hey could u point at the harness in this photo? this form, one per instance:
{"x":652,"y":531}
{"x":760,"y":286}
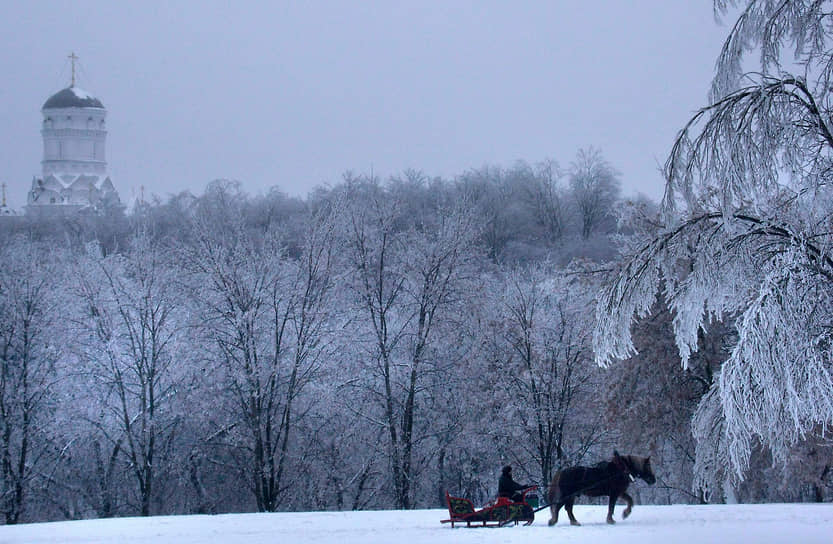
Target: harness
{"x":620,"y":463}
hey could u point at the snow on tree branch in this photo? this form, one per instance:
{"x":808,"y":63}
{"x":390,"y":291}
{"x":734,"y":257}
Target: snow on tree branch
{"x":747,"y":238}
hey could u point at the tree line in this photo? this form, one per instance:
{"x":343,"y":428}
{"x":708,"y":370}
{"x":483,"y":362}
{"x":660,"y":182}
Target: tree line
{"x":371,"y":345}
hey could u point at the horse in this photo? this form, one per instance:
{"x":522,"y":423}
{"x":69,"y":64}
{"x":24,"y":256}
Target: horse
{"x":609,"y":478}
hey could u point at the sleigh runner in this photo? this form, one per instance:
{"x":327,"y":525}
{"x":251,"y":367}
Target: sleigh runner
{"x":497,"y":513}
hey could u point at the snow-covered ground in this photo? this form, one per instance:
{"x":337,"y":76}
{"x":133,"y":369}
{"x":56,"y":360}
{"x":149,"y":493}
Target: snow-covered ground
{"x":754,"y":524}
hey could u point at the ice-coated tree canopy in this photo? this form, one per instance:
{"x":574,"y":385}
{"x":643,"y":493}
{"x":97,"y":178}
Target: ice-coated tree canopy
{"x":746,"y":237}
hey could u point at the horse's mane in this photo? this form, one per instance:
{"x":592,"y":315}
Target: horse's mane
{"x":637,"y":464}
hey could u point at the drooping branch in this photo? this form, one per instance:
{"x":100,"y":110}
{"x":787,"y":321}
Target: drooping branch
{"x":651,"y":268}
{"x":743,"y":134}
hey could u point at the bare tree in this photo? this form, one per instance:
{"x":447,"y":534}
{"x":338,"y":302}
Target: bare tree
{"x":131,"y":334}
{"x":29,"y":316}
{"x":405,"y":284}
{"x":489,"y":194}
{"x":547,"y":199}
{"x":267,"y":316}
{"x":544,"y":367}
{"x":595,"y":188}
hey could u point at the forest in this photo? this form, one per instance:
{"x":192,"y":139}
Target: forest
{"x":378,"y":342}
{"x":369,"y":346}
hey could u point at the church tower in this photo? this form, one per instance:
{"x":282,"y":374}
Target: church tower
{"x":74,"y":168}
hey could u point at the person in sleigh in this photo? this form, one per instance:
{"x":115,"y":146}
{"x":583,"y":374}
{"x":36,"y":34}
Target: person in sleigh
{"x":509,"y":488}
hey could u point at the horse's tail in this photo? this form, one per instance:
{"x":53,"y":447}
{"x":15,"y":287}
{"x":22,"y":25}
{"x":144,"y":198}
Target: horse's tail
{"x":554,"y":493}
{"x":554,"y":498}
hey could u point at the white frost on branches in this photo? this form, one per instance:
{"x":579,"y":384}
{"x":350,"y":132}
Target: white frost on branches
{"x":747,"y":237}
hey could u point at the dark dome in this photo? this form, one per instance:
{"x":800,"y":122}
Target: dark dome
{"x":72,"y":97}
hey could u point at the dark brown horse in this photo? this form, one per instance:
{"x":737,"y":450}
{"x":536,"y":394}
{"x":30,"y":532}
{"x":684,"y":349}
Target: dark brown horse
{"x":610,"y":478}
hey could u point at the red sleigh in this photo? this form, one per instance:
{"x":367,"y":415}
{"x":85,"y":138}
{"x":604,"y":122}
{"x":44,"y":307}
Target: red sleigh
{"x":502,"y":511}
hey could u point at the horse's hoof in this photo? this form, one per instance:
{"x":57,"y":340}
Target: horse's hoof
{"x":611,"y":521}
{"x":552,"y":522}
{"x":625,"y":514}
{"x":574,"y":522}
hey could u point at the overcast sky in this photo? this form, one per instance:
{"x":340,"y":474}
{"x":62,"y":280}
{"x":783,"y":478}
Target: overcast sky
{"x":293,"y":94}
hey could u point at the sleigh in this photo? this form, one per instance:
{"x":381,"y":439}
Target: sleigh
{"x":502,"y":511}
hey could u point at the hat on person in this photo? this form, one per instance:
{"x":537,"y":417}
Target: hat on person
{"x":507,"y":469}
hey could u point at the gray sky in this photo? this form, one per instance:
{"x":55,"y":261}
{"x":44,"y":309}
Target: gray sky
{"x":292,"y":94}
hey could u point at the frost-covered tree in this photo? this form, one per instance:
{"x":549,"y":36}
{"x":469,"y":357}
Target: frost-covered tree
{"x":747,"y":237}
{"x":408,"y":277}
{"x":488,"y":191}
{"x":548,"y":199}
{"x":132,"y":353}
{"x":594,"y":185}
{"x":266,"y":316}
{"x":541,"y":365}
{"x":650,"y":401}
{"x":30,"y":313}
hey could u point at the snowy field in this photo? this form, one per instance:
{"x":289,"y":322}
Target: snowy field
{"x":758,"y":524}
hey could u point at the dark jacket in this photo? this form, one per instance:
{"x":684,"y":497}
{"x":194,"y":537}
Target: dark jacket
{"x":506,"y":486}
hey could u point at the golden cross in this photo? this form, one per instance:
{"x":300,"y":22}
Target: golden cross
{"x":73,"y":57}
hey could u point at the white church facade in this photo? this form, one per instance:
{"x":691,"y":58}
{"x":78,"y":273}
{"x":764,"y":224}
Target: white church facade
{"x":74,"y":166}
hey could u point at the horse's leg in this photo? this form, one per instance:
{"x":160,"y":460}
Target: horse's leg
{"x":554,"y":508}
{"x":610,"y":506}
{"x":629,"y":500}
{"x":568,"y":506}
